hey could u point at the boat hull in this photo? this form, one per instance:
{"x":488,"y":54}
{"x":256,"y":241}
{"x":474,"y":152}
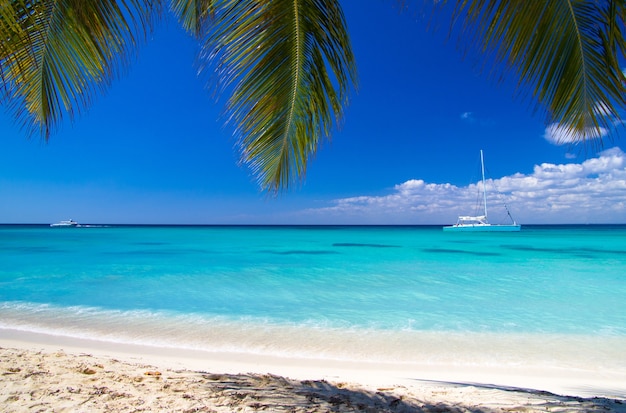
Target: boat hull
{"x":482,"y":228}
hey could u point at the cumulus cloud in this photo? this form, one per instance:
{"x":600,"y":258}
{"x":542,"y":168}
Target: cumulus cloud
{"x":557,"y":134}
{"x":593,"y":191}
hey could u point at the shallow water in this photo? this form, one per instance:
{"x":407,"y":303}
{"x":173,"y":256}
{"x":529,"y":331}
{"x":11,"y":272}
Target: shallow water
{"x":545,"y":295}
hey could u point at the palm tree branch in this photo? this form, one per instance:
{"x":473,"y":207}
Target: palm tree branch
{"x":275,"y":59}
{"x":62,"y":52}
{"x":567,"y":50}
{"x":194,"y":15}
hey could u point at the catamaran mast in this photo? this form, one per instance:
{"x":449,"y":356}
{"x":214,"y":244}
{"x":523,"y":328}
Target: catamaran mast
{"x":482,"y":169}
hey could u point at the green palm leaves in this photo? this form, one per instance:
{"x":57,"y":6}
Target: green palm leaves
{"x":287,"y":65}
{"x":566,"y":50}
{"x":55,"y":55}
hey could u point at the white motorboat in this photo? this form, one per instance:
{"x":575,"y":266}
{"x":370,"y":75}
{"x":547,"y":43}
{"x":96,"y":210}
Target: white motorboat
{"x":65,"y":224}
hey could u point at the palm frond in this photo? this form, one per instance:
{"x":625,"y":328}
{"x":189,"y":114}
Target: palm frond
{"x":194,"y":15}
{"x":566,"y":50}
{"x":288,"y":66}
{"x":56,"y":54}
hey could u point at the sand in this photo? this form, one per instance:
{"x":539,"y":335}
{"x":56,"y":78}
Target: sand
{"x":40,"y":373}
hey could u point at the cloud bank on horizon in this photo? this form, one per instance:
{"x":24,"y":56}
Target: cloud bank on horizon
{"x":593,"y":192}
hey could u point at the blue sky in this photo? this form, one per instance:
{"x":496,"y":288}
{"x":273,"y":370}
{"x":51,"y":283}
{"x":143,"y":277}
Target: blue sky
{"x":154,"y":150}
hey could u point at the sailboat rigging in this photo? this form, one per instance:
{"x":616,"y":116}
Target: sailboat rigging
{"x":480,"y":222}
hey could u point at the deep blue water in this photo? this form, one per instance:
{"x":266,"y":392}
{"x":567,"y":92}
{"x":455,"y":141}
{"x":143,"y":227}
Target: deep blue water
{"x":137,"y":283}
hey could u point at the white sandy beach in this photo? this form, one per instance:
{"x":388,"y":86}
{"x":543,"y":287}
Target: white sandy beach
{"x":51,"y":373}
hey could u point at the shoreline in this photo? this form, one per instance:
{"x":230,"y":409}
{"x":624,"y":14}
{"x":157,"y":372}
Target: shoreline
{"x":431,"y":385}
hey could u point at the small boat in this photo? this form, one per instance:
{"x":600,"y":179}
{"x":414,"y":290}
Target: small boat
{"x":480,"y":223}
{"x":65,"y":224}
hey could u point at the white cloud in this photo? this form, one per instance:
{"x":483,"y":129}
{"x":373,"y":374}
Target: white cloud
{"x":559,"y":135}
{"x":467,"y":116}
{"x":593,"y":191}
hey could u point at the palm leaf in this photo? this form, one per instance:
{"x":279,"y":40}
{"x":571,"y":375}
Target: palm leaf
{"x":287,"y":65}
{"x":194,"y":15}
{"x":55,"y":55}
{"x":566,"y":50}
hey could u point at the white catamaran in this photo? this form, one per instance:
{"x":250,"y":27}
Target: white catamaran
{"x":480,"y":223}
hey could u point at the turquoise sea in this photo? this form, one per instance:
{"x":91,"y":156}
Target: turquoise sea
{"x":548,"y":295}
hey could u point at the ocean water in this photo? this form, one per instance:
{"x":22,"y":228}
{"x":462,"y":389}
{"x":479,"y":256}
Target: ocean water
{"x":547,"y":296}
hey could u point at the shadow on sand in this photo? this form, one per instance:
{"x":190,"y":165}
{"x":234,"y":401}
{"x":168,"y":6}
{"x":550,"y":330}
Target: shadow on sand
{"x":276,"y":393}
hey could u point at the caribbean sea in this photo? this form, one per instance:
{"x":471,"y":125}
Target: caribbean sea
{"x":548,"y":295}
